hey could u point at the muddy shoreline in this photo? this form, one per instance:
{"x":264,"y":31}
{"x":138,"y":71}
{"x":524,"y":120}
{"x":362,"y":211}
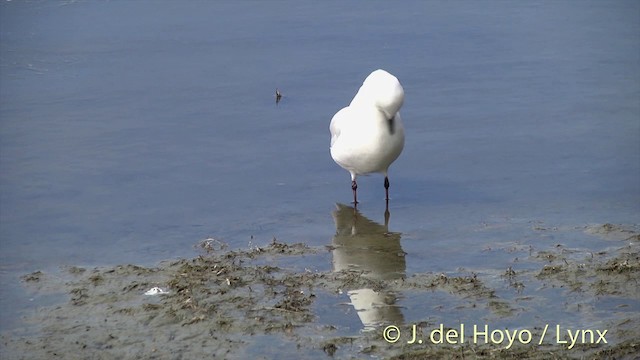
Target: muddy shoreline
{"x":236,"y":304}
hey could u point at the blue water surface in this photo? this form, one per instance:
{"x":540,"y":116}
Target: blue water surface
{"x":131,"y":130}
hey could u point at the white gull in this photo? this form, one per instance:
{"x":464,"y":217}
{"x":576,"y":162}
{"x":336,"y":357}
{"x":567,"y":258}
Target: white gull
{"x":367,"y":136}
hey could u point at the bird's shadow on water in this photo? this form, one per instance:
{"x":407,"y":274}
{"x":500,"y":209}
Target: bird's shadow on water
{"x":372,"y":253}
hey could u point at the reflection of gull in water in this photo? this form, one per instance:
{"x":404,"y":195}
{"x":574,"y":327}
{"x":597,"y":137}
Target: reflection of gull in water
{"x":368,"y":247}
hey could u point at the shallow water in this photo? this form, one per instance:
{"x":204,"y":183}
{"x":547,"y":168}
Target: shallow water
{"x":132,"y":130}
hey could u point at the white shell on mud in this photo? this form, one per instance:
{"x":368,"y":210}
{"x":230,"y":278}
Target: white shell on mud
{"x":156,"y":291}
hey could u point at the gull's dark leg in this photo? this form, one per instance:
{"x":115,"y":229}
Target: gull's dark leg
{"x":386,"y":187}
{"x":354,"y":187}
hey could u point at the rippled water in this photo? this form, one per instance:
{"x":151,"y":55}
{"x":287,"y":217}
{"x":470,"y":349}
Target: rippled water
{"x":132,"y":130}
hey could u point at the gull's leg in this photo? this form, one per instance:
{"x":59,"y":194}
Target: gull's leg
{"x":386,"y":188}
{"x":354,"y":187}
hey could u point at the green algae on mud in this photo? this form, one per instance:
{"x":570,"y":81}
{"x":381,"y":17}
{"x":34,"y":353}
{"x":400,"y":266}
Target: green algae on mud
{"x":230,"y":303}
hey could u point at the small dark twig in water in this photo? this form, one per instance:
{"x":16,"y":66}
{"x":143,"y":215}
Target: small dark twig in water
{"x":278,"y":96}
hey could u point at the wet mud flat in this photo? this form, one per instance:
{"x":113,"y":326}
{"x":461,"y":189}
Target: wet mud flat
{"x":237,"y":304}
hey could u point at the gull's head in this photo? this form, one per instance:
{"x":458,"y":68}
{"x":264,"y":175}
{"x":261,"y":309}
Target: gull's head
{"x":382,"y":90}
